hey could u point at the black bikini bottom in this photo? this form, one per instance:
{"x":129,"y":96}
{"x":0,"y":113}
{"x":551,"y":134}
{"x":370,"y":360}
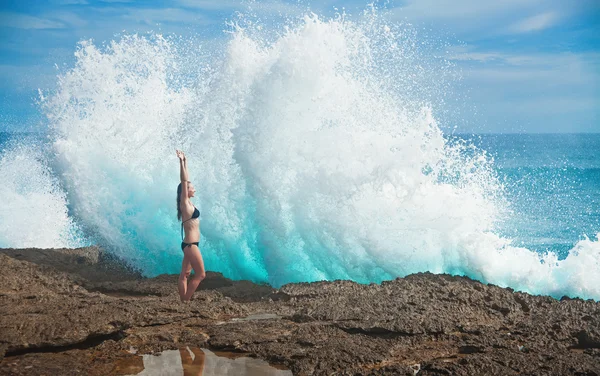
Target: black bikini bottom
{"x":183,"y":245}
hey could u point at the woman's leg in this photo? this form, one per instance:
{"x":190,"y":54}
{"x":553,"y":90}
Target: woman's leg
{"x":192,"y":253}
{"x":186,"y":268}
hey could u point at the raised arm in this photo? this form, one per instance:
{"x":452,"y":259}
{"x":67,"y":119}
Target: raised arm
{"x":183,"y":175}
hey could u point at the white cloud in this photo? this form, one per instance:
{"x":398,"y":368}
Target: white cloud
{"x":510,"y":89}
{"x":482,"y":57}
{"x":69,"y":18}
{"x":530,"y":70}
{"x":24,"y":21}
{"x":73,"y":2}
{"x":277,"y":7}
{"x":477,"y":20}
{"x":271,"y":7}
{"x":153,"y":16}
{"x":535,"y":23}
{"x":210,"y":4}
{"x":460,"y":9}
{"x":558,"y":104}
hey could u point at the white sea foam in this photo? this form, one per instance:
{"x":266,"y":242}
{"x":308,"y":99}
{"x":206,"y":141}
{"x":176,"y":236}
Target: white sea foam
{"x":34,"y":210}
{"x":315,"y":154}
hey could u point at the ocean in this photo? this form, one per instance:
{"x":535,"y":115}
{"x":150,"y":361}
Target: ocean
{"x":552,"y":186}
{"x":316,"y":155}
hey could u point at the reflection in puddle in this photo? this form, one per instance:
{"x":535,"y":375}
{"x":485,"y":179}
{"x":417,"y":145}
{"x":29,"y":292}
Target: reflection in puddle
{"x":197,"y":362}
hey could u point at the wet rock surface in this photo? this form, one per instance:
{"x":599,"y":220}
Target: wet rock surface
{"x":81,"y":312}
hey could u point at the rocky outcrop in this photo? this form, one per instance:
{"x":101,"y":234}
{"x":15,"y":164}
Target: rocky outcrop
{"x":81,"y":312}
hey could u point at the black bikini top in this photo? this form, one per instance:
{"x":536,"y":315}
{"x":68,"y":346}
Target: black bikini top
{"x":195,"y":215}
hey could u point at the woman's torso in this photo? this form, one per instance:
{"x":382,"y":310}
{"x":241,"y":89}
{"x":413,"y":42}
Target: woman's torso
{"x":191,"y":224}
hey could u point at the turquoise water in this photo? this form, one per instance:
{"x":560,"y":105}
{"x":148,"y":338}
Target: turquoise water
{"x":316,"y":155}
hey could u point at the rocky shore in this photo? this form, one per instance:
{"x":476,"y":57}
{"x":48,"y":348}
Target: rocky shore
{"x":79,"y":312}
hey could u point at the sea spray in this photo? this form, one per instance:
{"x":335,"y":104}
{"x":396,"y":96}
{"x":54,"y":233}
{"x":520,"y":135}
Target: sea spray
{"x":316,"y":155}
{"x":34,"y":209}
{"x":112,"y":119}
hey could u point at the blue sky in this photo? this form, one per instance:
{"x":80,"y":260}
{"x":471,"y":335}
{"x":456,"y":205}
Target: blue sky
{"x":527,"y":65}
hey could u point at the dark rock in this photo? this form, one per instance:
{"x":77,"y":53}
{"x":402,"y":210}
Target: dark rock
{"x":81,"y":311}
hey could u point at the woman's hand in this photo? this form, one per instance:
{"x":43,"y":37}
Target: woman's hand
{"x":183,"y":174}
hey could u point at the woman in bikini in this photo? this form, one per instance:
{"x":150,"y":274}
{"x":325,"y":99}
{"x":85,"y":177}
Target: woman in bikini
{"x":192,"y":258}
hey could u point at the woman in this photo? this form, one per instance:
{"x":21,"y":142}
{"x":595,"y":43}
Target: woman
{"x":192,"y":259}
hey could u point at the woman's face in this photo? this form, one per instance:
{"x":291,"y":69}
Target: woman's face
{"x":191,"y":190}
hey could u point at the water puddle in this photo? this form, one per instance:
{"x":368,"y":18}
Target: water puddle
{"x":197,"y":362}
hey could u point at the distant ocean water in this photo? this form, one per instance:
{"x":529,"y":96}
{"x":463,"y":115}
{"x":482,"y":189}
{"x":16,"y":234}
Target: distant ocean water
{"x":552,"y":187}
{"x":314,"y":157}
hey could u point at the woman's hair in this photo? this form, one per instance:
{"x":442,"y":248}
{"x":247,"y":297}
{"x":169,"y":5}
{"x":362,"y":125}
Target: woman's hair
{"x":179,"y":202}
